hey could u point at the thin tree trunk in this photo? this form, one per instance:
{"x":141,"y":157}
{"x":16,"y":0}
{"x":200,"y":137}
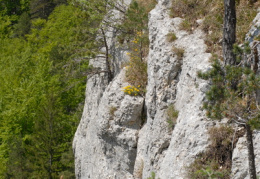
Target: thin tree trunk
{"x":229,"y":32}
{"x":109,"y":72}
{"x":252,"y":1}
{"x":250,"y":148}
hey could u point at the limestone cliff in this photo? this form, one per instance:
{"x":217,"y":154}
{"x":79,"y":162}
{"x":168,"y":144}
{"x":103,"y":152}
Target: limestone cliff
{"x":113,"y":142}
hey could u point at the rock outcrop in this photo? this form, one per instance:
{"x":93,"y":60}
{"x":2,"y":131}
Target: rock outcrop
{"x":172,"y":80}
{"x":114,"y":140}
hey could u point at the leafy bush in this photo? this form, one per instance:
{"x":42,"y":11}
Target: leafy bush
{"x":136,"y":34}
{"x":136,"y":73}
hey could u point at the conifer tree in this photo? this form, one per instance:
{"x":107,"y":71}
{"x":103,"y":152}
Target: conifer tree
{"x":234,"y":86}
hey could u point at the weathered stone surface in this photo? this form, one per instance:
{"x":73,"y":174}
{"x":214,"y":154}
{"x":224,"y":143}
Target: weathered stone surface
{"x":240,"y":160}
{"x":105,"y":142}
{"x":254,"y":30}
{"x":172,"y":80}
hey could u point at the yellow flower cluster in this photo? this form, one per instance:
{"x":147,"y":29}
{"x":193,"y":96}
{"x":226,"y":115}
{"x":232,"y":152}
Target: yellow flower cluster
{"x":139,"y":33}
{"x":131,"y":90}
{"x":135,"y":41}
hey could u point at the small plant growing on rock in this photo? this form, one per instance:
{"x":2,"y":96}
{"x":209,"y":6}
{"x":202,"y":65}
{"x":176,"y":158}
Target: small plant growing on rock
{"x":152,"y":176}
{"x":131,"y":90}
{"x":136,"y":70}
{"x":135,"y":33}
{"x":112,"y":111}
{"x":171,"y":37}
{"x":179,"y":52}
{"x":172,"y":115}
{"x":186,"y":25}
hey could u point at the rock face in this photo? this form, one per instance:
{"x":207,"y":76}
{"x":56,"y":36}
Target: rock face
{"x":114,"y":140}
{"x":173,"y":81}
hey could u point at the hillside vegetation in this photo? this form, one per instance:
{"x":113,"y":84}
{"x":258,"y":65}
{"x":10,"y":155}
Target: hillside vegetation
{"x":42,"y":81}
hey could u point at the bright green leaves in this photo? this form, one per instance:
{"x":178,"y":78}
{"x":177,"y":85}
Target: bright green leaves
{"x":42,"y":77}
{"x":20,"y":94}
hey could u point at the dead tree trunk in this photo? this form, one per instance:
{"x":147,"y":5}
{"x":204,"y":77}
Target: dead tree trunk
{"x":250,"y":148}
{"x":229,"y":32}
{"x":109,"y":72}
{"x":252,"y":1}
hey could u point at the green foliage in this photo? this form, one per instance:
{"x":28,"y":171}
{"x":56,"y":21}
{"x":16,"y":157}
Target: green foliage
{"x":133,"y":23}
{"x":10,"y":7}
{"x":172,"y":115}
{"x":136,"y":71}
{"x":232,"y":93}
{"x":216,"y":161}
{"x":43,"y":8}
{"x":23,"y":26}
{"x":42,"y":78}
{"x":135,"y":32}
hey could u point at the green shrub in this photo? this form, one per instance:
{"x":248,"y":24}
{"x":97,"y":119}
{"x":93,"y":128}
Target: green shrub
{"x":136,"y":70}
{"x":135,"y":30}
